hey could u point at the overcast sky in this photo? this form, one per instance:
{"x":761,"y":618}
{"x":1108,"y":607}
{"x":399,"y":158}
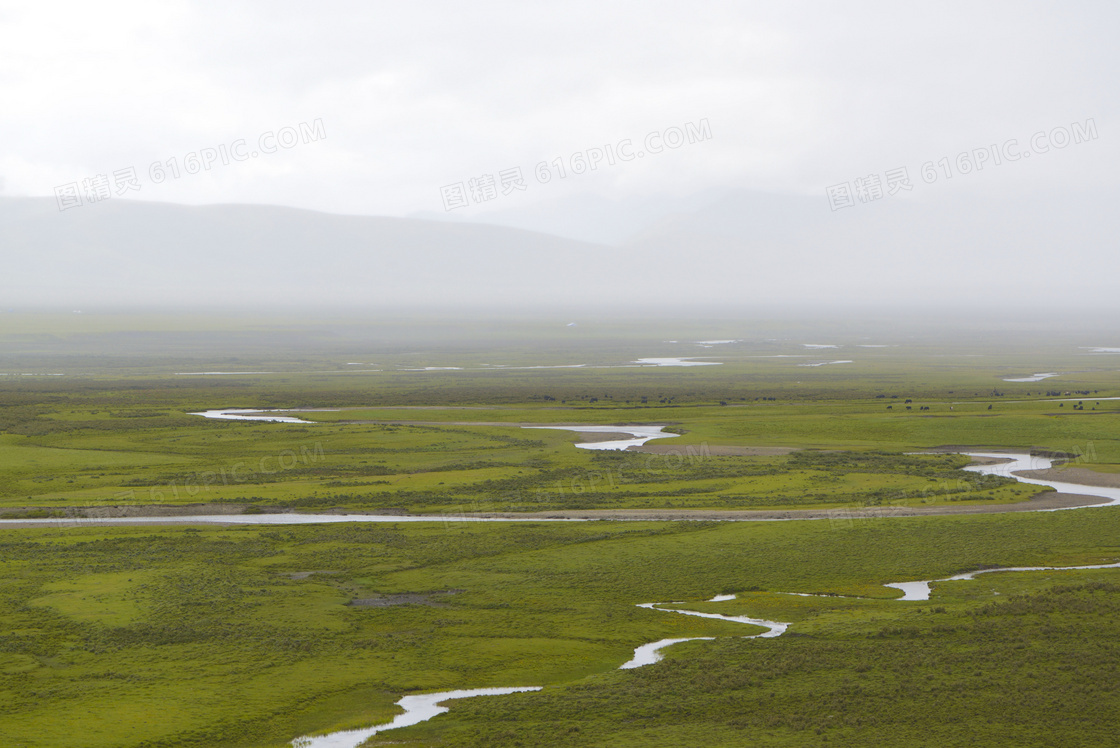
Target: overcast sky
{"x":416,"y":96}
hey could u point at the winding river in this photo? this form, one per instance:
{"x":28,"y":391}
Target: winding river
{"x":641,"y":434}
{"x":421,"y":707}
{"x":417,"y":708}
{"x":648,"y":654}
{"x":1012,"y":463}
{"x":1016,"y":463}
{"x":921,"y":590}
{"x":249,"y":414}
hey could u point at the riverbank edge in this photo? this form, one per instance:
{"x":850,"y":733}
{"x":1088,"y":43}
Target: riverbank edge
{"x":1046,"y":499}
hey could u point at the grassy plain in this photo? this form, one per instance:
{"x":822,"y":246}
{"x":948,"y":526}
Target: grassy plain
{"x":90,"y":442}
{"x":212,"y":636}
{"x":202,"y":637}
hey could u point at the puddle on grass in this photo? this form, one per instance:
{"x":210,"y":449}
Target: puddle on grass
{"x":686,"y":361}
{"x":1034,"y":378}
{"x":826,"y":363}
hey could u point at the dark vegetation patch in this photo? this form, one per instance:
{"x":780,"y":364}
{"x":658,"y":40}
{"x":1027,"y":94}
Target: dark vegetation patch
{"x":403,"y":598}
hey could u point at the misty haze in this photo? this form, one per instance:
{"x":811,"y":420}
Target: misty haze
{"x":579,"y":374}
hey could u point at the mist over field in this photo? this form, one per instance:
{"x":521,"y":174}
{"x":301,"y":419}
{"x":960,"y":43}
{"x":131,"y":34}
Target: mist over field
{"x":371,"y":155}
{"x":743,"y":249}
{"x":595,"y":373}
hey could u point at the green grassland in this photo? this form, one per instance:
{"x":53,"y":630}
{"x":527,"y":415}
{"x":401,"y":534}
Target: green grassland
{"x":204,"y":637}
{"x":76,"y":445}
{"x":425,"y":468}
{"x":160,"y":636}
{"x":1034,"y":667}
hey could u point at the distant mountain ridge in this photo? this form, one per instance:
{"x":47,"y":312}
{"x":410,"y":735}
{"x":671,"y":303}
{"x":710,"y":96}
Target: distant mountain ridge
{"x":153,"y":252}
{"x":733,"y":248}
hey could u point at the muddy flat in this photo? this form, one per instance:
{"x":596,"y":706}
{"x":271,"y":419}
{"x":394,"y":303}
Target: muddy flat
{"x":108,"y":511}
{"x":1041,"y":502}
{"x":978,"y":460}
{"x":1084,"y":476}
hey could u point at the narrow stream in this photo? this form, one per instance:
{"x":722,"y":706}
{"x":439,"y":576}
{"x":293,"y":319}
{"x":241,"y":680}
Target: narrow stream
{"x":425,"y":706}
{"x":647,"y":654}
{"x":921,"y":590}
{"x":1017,"y":463}
{"x":421,"y":707}
{"x":417,"y":708}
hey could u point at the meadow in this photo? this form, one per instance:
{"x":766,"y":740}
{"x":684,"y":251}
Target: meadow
{"x":249,"y":636}
{"x":221,"y":636}
{"x":90,"y":443}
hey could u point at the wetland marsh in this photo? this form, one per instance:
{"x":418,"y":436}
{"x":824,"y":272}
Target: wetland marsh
{"x":250,"y":634}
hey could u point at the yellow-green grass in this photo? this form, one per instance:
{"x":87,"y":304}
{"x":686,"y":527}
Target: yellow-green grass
{"x":175,"y":636}
{"x":208,"y":629}
{"x":441,"y":468}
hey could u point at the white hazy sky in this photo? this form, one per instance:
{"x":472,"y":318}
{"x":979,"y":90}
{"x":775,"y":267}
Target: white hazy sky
{"x":414,"y":96}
